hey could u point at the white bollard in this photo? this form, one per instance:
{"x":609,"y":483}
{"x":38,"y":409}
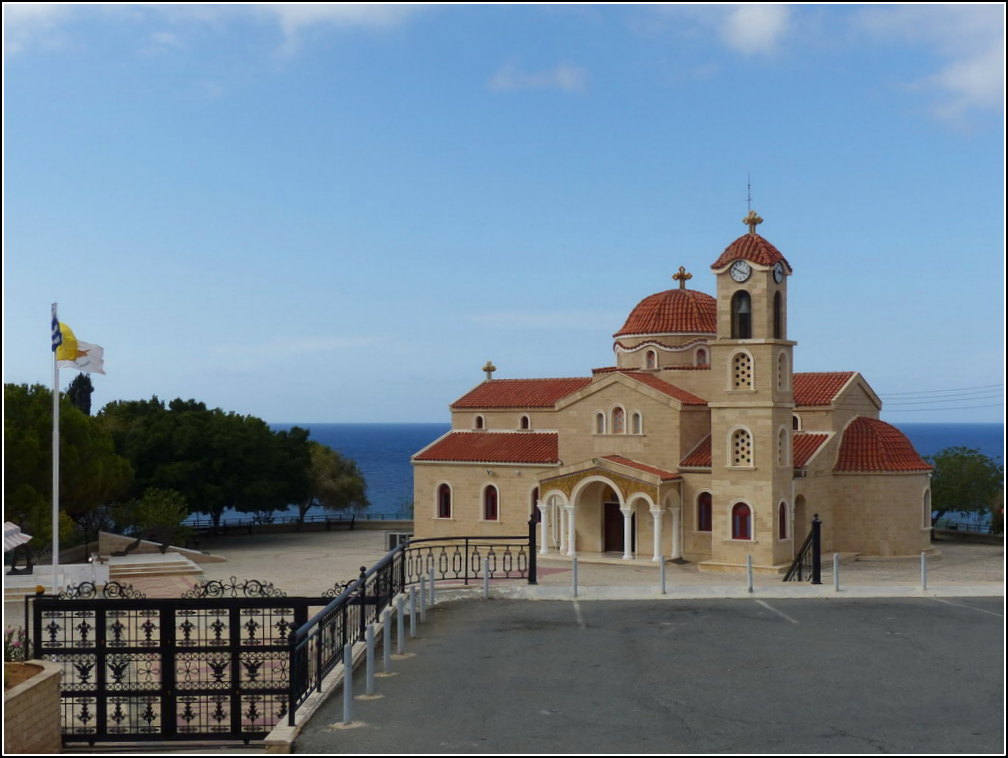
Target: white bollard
{"x":923,"y":572}
{"x":574,"y":574}
{"x":369,"y":641}
{"x":486,"y":578}
{"x":400,"y":626}
{"x":661,"y":573}
{"x":423,"y":598}
{"x":387,"y":639}
{"x":347,"y":684}
{"x":748,"y":571}
{"x":412,"y":611}
{"x":836,"y":572}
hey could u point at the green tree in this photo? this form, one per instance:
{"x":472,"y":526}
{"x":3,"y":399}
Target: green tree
{"x":966,"y":480}
{"x":91,"y":474}
{"x":157,"y":515}
{"x":336,"y":483}
{"x":79,"y":392}
{"x":215,"y":460}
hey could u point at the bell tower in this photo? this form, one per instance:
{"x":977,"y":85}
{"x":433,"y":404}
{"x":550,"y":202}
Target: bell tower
{"x":752,"y":405}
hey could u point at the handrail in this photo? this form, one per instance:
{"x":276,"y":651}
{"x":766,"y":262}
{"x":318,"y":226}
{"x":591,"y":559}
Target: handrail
{"x":316,"y":647}
{"x":809,"y":558}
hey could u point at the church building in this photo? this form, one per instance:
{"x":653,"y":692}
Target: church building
{"x":701,"y":443}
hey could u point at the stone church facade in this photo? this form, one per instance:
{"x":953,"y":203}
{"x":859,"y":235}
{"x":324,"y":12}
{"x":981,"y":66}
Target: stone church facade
{"x":701,"y":443}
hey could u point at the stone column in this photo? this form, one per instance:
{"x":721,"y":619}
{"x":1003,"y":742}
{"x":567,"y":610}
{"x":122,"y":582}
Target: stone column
{"x":543,"y":526}
{"x":627,"y":533}
{"x":571,"y":532}
{"x":656,"y":514}
{"x":676,"y":533}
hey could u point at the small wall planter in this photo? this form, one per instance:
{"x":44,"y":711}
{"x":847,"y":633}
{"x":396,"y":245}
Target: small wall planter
{"x":32,"y":707}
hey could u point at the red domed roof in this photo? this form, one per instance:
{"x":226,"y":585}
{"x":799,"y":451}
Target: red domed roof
{"x":752,"y":248}
{"x":671,"y":312}
{"x":871,"y":445}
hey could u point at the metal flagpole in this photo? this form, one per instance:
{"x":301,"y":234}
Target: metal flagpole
{"x":57,"y":340}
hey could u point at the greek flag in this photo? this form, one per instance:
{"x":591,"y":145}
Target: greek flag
{"x":57,"y":335}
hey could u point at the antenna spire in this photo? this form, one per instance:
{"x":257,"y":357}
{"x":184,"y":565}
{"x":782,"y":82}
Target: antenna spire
{"x":748,"y":192}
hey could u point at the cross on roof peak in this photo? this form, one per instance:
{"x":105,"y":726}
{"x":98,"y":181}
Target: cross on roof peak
{"x":752,"y":221}
{"x":681,"y":277}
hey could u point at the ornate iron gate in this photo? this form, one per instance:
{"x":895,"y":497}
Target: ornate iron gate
{"x":170,"y":669}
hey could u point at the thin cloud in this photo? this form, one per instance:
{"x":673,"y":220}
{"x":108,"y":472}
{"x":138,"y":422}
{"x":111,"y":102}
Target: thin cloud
{"x":586,"y":320}
{"x":296,"y":18}
{"x":564,"y":76}
{"x":967,"y":39}
{"x":28,"y":25}
{"x":755,"y":29}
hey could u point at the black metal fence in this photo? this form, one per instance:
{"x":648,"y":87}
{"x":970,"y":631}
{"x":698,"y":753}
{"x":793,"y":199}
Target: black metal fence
{"x":807,"y":565}
{"x":219,"y":664}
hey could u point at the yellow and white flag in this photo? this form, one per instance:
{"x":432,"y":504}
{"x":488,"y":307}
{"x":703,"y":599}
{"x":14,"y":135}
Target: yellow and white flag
{"x":83,"y":356}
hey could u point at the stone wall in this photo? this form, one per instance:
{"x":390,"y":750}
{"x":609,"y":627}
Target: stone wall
{"x":32,"y":712}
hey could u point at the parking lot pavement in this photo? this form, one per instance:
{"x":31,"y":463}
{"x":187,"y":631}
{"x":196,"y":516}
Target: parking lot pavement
{"x":906,"y":675}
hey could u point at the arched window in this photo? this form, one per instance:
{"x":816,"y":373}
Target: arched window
{"x":525,"y":423}
{"x":741,"y":522}
{"x":782,"y":521}
{"x":618,"y":425}
{"x":444,"y":504}
{"x":478,"y":423}
{"x":778,"y":316}
{"x":701,"y":357}
{"x":796,"y":422}
{"x":742,"y":371}
{"x":741,"y":312}
{"x":741,"y":448}
{"x":599,"y":423}
{"x":782,"y":448}
{"x":650,"y":359}
{"x":782,"y":372}
{"x":636,"y":423}
{"x":704,"y":519}
{"x":490,"y":512}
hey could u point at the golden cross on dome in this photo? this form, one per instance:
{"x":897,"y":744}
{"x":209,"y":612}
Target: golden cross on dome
{"x":752,"y":220}
{"x":489,"y":368}
{"x":681,"y":277}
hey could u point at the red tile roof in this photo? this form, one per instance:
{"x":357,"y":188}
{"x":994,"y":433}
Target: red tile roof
{"x":684,"y":397}
{"x":659,"y":472}
{"x":520,"y":393}
{"x":806,"y":444}
{"x":700,"y":456}
{"x":493,"y":447}
{"x":671,"y":312}
{"x":870,"y":445}
{"x":819,"y":387}
{"x":751,"y":247}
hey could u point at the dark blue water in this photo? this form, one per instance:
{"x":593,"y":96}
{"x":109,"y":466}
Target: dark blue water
{"x":383,"y":451}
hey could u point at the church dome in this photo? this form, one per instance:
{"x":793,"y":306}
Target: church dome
{"x":753,"y":248}
{"x":674,"y":311}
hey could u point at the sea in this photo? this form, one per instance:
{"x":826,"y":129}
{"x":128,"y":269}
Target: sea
{"x":383,"y":451}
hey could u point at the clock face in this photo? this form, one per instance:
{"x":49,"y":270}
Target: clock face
{"x":740,"y":271}
{"x":778,"y":273}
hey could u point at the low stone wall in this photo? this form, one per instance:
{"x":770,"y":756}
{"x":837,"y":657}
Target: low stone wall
{"x":32,"y":712}
{"x":109,"y":543}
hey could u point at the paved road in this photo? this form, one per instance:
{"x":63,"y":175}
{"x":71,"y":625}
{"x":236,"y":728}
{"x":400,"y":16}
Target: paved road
{"x":908,"y":675}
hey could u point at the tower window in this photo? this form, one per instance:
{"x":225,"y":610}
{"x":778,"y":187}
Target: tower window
{"x":701,"y":357}
{"x":782,"y":372}
{"x":636,"y":423}
{"x":599,"y":423}
{"x":618,"y":426}
{"x":741,"y":448}
{"x":741,"y":522}
{"x":778,"y":316}
{"x":525,"y":423}
{"x":479,"y":423}
{"x":782,"y":448}
{"x":742,"y":371}
{"x":782,"y":521}
{"x":650,"y":359}
{"x":741,"y":312}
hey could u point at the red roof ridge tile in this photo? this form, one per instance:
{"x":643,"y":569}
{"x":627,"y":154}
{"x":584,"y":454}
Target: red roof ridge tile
{"x":520,"y":393}
{"x":467,"y":446}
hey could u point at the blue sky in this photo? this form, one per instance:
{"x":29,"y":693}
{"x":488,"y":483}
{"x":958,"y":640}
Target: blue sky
{"x":326,"y":213}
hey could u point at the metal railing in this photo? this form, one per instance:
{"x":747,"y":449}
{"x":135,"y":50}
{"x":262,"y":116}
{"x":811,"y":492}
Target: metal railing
{"x":317,"y":647}
{"x":807,"y":565}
